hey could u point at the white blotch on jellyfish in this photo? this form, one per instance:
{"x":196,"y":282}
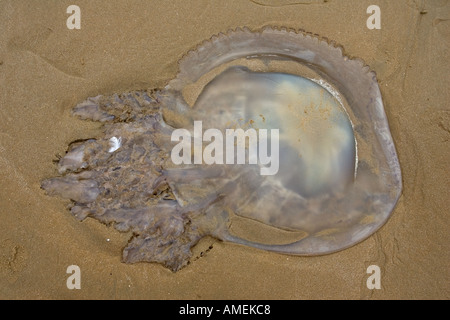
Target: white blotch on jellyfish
{"x":114,"y":143}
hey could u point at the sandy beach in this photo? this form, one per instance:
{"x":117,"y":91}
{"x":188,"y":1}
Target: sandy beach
{"x":46,"y":69}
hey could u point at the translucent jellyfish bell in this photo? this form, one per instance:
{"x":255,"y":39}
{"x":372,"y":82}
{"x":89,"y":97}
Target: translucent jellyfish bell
{"x":317,"y":147}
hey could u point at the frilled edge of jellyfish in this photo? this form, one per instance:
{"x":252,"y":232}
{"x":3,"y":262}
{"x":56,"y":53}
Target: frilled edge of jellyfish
{"x":119,"y":180}
{"x":196,"y":62}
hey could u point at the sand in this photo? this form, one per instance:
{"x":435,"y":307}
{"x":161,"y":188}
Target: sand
{"x":45,"y":69}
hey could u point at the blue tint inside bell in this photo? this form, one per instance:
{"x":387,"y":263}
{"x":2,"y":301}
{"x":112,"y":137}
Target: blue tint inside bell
{"x":317,"y":149}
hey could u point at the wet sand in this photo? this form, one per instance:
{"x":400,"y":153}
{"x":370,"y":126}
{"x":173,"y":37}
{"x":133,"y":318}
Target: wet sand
{"x":45,"y":69}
